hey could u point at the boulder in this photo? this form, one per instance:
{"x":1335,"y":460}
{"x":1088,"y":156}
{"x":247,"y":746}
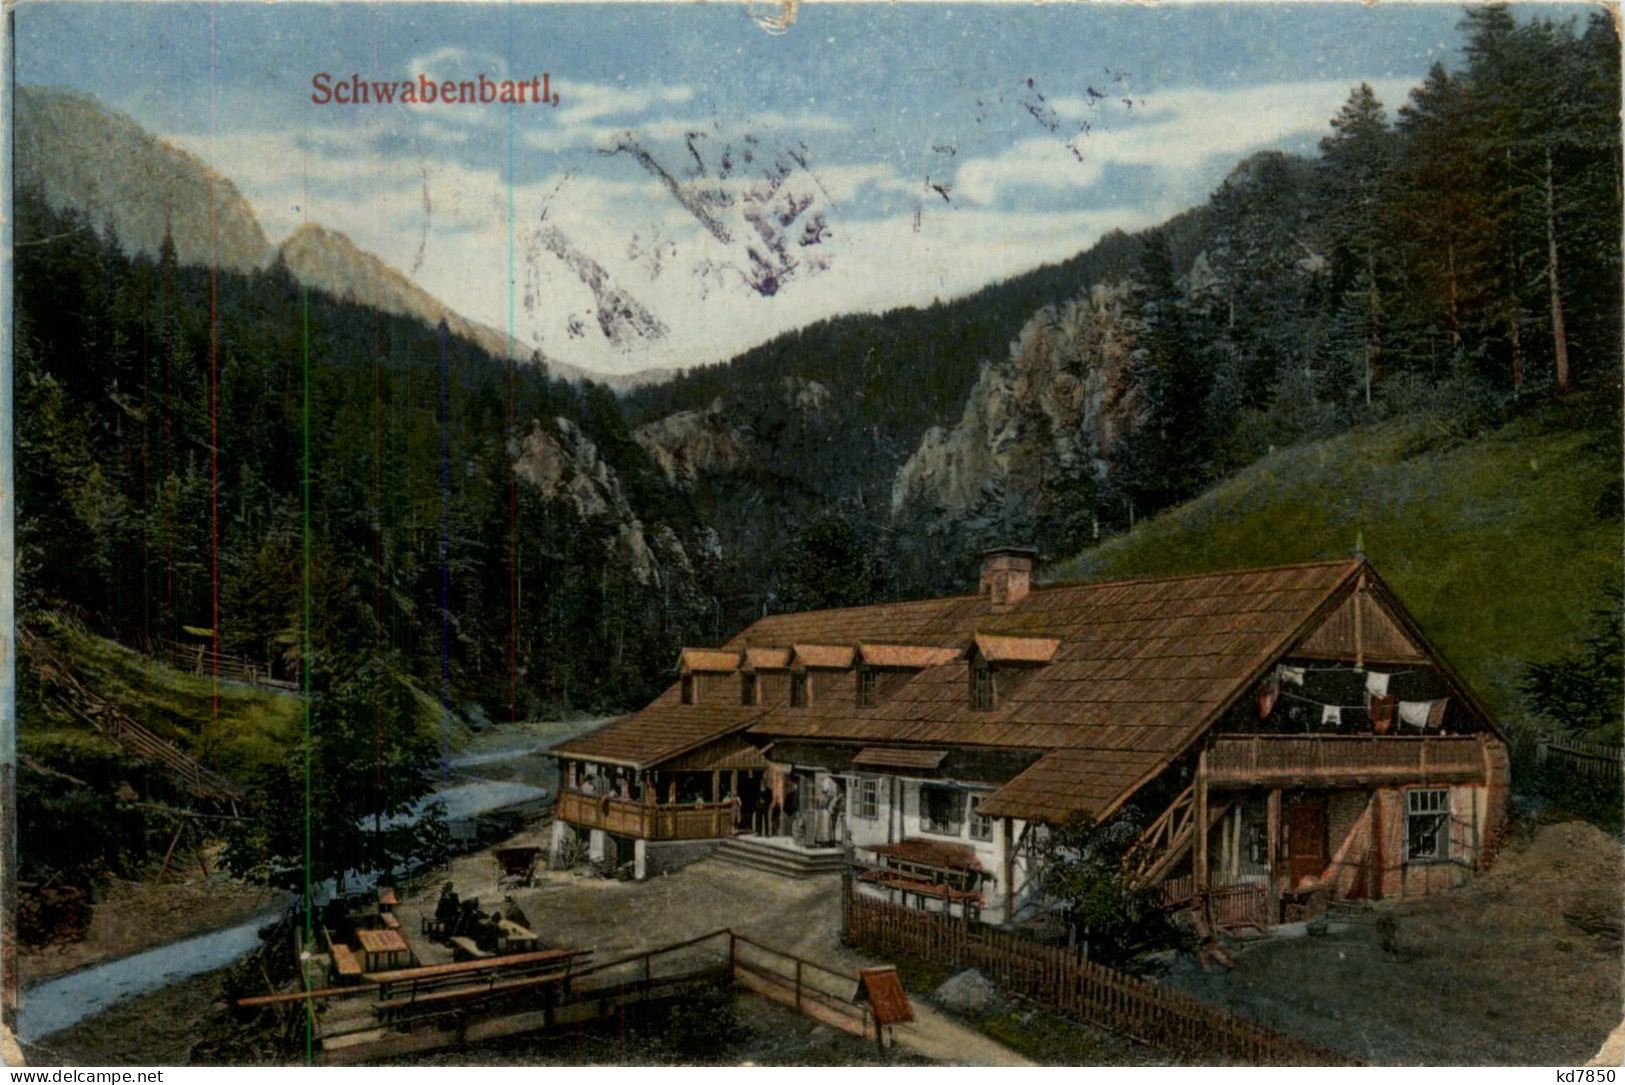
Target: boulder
{"x":968,"y":992}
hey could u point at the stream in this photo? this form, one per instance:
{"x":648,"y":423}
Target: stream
{"x":511,"y":770}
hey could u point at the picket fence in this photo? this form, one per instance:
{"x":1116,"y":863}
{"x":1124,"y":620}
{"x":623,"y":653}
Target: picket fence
{"x":1056,"y":978}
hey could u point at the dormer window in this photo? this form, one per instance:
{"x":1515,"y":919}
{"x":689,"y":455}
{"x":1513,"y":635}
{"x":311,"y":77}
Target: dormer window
{"x":866,"y":688}
{"x":799,"y":691}
{"x":688,"y":689}
{"x":747,"y":688}
{"x":981,"y":686}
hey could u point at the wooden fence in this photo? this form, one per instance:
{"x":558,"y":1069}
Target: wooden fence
{"x":201,"y":660}
{"x":1056,"y":978}
{"x":1588,"y":759}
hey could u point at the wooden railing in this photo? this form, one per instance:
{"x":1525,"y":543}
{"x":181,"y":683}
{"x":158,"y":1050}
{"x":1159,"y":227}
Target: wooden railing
{"x":1230,"y":905}
{"x":1161,"y":845}
{"x":1061,"y":981}
{"x":202,"y":660}
{"x":1241,"y":760}
{"x":626,"y":817}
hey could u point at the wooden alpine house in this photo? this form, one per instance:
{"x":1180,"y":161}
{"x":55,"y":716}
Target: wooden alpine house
{"x":1280,"y":739}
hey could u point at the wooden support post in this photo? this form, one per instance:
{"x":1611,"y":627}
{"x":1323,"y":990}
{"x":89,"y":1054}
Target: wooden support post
{"x":1273,"y":853}
{"x":716,"y":785}
{"x":1009,"y":869}
{"x":1359,"y":627}
{"x":179,"y":828}
{"x":1376,"y":843}
{"x":1199,"y":852}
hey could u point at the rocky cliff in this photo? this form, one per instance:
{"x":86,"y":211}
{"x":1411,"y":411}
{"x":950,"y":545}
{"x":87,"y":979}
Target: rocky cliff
{"x":562,"y":462}
{"x":1055,"y":401}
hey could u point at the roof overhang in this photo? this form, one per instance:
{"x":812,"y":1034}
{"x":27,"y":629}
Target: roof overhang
{"x":899,"y":757}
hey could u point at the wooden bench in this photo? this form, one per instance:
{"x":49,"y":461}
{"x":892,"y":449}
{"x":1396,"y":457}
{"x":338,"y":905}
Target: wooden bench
{"x":345,"y":963}
{"x":389,"y":921}
{"x":464,"y":949}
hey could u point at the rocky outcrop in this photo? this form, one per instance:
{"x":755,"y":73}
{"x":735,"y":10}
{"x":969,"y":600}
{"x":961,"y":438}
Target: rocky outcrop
{"x":564,"y":464}
{"x":714,"y":441}
{"x":1056,"y":401}
{"x":79,"y":154}
{"x":690,"y":443}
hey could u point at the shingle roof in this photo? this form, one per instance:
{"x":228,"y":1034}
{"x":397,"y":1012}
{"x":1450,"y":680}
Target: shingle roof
{"x":894,"y":757}
{"x":708,"y":659}
{"x":1001,"y":649}
{"x":833,"y":656}
{"x":767,"y":659}
{"x":908,"y":656}
{"x":663,"y":730}
{"x":1141,"y":669}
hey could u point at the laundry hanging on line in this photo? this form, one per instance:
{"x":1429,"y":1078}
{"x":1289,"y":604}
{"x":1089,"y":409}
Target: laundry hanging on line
{"x":1423,"y":715}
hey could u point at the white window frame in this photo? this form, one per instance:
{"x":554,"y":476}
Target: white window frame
{"x":865,"y":804}
{"x":1428,"y":804}
{"x":981,"y":826}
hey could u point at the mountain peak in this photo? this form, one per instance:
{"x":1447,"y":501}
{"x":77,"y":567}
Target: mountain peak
{"x":65,"y":143}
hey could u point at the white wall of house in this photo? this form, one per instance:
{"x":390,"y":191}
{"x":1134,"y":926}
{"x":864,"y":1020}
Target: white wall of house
{"x":901,"y":809}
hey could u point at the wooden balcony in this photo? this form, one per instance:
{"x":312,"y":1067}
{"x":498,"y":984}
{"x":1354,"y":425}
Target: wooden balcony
{"x":1345,"y":760}
{"x":623,"y":817}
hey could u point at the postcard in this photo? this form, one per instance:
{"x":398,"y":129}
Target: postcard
{"x":825,"y":534}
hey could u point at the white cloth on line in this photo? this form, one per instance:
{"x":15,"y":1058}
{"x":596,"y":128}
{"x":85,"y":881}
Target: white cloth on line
{"x":1331,"y":714}
{"x":1292,"y":675}
{"x":1416,"y":714}
{"x":1376,"y":683}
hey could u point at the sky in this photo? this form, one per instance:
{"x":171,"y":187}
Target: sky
{"x":707,"y":180}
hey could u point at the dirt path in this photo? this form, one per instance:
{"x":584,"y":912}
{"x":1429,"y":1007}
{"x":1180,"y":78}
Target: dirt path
{"x":618,"y":918}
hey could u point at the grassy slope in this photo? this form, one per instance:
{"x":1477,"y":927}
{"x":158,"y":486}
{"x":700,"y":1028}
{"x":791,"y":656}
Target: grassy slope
{"x":1499,"y":544}
{"x":252,"y":725}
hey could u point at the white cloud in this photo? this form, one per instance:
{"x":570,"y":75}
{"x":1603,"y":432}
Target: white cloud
{"x":582,"y":102}
{"x":1175,"y":133}
{"x":449,"y":225}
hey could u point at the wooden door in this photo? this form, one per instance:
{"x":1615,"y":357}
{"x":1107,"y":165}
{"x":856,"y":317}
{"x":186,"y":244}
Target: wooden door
{"x":1306,"y":841}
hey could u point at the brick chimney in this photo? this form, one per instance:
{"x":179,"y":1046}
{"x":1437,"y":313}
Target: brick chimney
{"x":1007,"y":575}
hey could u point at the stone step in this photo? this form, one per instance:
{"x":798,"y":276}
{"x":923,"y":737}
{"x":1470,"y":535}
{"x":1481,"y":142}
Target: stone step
{"x":755,"y":855}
